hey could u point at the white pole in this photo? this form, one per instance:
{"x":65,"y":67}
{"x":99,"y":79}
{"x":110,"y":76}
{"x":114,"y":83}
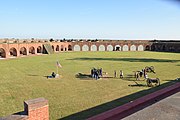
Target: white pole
{"x":57,"y":70}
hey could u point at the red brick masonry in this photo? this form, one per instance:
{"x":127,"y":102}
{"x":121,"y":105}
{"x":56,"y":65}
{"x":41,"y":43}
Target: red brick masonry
{"x":119,"y":112}
{"x":36,"y":109}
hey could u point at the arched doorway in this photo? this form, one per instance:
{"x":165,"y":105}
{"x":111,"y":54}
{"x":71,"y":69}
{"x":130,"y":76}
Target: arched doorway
{"x":125,"y":48}
{"x":117,"y":48}
{"x":23,"y":51}
{"x":93,"y":48}
{"x":140,"y":48}
{"x":52,"y":47}
{"x":77,"y":48}
{"x":69,"y":48}
{"x":109,"y":48}
{"x":57,"y":48}
{"x":32,"y":50}
{"x":101,"y":48}
{"x":133,"y":48}
{"x":62,"y":48}
{"x":39,"y":49}
{"x":13,"y":52}
{"x":85,"y":48}
{"x":2,"y":53}
{"x":147,"y":48}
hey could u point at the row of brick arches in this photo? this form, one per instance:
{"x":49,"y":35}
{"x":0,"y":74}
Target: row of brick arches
{"x":61,"y":48}
{"x":15,"y":52}
{"x":110,"y":48}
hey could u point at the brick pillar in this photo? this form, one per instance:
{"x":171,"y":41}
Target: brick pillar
{"x":37,"y":109}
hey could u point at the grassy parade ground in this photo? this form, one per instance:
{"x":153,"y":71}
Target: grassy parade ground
{"x":78,"y":97}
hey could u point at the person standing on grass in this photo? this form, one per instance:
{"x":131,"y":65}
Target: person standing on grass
{"x":121,"y":74}
{"x":92,"y":72}
{"x":96,"y":75}
{"x":144,"y":73}
{"x":114,"y":73}
{"x":137,"y":76}
{"x":100,"y":72}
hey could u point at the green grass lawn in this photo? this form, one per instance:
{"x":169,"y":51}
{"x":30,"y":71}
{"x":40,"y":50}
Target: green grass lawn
{"x":23,"y":79}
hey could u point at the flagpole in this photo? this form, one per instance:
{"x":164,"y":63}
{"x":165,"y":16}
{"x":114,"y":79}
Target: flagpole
{"x":57,"y":69}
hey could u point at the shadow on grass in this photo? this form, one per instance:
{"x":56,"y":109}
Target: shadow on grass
{"x":32,"y":75}
{"x":115,"y":103}
{"x":128,"y":59}
{"x":83,"y":76}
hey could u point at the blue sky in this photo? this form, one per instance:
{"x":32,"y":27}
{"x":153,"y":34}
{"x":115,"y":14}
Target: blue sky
{"x":101,"y":19}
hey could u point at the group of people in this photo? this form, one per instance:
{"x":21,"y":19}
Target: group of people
{"x":96,"y":73}
{"x":140,"y":74}
{"x":121,"y":75}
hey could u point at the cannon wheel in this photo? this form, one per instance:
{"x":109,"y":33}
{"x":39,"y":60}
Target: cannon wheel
{"x":149,"y":83}
{"x":158,"y":82}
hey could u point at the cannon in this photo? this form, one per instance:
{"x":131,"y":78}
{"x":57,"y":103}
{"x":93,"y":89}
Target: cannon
{"x":150,"y":69}
{"x":153,"y":82}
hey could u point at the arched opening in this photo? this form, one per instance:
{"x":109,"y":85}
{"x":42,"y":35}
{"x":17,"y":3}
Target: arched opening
{"x":52,"y":47}
{"x":39,"y":49}
{"x":23,"y":51}
{"x":117,"y":48}
{"x":2,"y":53}
{"x":62,"y":48}
{"x":147,"y":48}
{"x":69,"y":48}
{"x":133,"y":48}
{"x":65,"y":49}
{"x":13,"y":52}
{"x":101,"y":48}
{"x":85,"y":48}
{"x":125,"y":48}
{"x":93,"y":48}
{"x":32,"y":50}
{"x":140,"y":48}
{"x":57,"y":48}
{"x":77,"y":48}
{"x":109,"y":48}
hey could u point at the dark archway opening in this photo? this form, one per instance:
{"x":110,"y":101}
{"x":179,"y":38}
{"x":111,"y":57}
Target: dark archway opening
{"x":32,"y":50}
{"x":23,"y":51}
{"x":62,"y":48}
{"x":2,"y":53}
{"x":117,"y":49}
{"x":147,"y":48}
{"x":39,"y":49}
{"x":52,"y":47}
{"x":13,"y":52}
{"x":69,"y":48}
{"x":57,"y":48}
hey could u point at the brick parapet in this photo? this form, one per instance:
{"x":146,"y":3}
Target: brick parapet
{"x":36,"y":109}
